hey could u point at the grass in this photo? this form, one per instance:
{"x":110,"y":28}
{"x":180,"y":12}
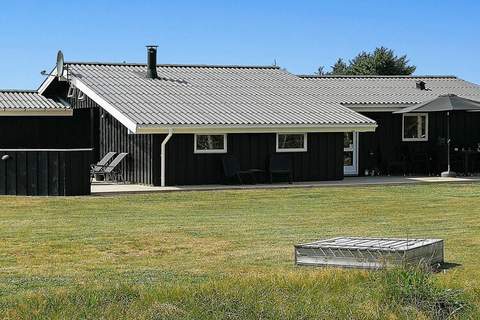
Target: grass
{"x":228,"y":254}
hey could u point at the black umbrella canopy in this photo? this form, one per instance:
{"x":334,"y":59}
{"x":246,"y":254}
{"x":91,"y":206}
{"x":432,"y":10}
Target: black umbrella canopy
{"x":448,"y":102}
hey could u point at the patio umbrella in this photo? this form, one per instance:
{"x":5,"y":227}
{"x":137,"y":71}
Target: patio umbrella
{"x":448,"y":102}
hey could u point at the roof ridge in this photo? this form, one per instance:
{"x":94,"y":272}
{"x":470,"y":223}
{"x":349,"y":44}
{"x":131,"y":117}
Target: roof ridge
{"x":313,"y":76}
{"x":174,"y":65}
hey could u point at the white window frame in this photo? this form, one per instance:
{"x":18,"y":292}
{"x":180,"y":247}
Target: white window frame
{"x":71,"y":91}
{"x":418,"y":115}
{"x":305,"y":143}
{"x":224,"y":150}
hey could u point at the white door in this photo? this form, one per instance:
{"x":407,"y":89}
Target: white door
{"x":350,"y":153}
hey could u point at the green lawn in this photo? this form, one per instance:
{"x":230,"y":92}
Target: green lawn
{"x":223,"y":254}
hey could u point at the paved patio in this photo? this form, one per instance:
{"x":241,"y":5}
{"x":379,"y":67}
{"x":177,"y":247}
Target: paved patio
{"x":105,"y":188}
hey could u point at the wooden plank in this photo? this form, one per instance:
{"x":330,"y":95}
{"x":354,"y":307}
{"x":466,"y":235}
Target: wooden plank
{"x":42,"y":173}
{"x":3,"y":175}
{"x":61,"y":172}
{"x":32,"y":169}
{"x":53,"y":173}
{"x":68,"y":183}
{"x":11,"y":174}
{"x":22,"y":179}
{"x":75,"y":168}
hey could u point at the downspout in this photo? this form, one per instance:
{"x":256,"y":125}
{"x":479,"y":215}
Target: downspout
{"x":162,"y":155}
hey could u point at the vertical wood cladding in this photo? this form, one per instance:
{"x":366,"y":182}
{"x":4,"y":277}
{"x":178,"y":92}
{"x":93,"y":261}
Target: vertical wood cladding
{"x":42,"y":173}
{"x":113,"y":136}
{"x":386,"y":142}
{"x":322,"y":161}
{"x":46,"y":132}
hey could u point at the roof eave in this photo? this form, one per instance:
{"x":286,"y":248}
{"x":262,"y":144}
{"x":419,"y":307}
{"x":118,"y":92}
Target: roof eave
{"x":377,"y":107}
{"x":163,"y":129}
{"x":26,"y":112}
{"x":315,"y":76}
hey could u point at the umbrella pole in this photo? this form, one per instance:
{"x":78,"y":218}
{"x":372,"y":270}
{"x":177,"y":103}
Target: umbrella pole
{"x":448,"y":173}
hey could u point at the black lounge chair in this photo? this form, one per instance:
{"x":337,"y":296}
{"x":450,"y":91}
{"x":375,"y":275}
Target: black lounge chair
{"x":232,"y":171}
{"x":280,"y":165}
{"x":420,"y":163}
{"x":399,"y":161}
{"x":100,"y":165}
{"x":113,"y":169}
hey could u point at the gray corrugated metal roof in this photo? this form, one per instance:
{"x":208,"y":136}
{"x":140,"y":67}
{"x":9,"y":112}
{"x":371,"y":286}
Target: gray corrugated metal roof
{"x":389,"y":89}
{"x":26,"y":99}
{"x":212,"y":95}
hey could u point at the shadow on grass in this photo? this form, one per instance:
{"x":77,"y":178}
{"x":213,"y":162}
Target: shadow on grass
{"x":444,"y":266}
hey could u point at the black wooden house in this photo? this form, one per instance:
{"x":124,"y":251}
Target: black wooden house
{"x":177,"y":122}
{"x":194,"y":115}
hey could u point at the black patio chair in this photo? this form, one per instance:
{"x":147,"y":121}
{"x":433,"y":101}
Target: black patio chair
{"x":475,"y":163}
{"x":457,"y":161}
{"x":420,"y":163}
{"x":399,"y":163}
{"x":100,"y":165}
{"x":113,"y":169}
{"x":280,"y":165}
{"x":231,"y":169}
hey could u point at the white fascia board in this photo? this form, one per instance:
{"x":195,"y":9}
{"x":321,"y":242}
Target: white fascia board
{"x":257,"y":129}
{"x":73,"y":150}
{"x":390,"y":107}
{"x":129,"y":124}
{"x":46,"y":83}
{"x":36,"y":112}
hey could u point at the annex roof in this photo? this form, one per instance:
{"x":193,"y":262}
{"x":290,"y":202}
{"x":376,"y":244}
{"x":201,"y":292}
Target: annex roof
{"x":27,"y":102}
{"x":388,"y":90}
{"x":209,"y":96}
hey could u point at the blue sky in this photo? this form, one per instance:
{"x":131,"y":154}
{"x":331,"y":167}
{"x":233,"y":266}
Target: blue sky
{"x":440,"y":37}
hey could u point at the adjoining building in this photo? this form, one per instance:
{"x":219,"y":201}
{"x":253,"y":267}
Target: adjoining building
{"x":45,"y":145}
{"x":405,"y":143}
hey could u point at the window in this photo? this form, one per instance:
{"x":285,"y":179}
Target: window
{"x":71,"y":91}
{"x":415,"y":127}
{"x":210,"y":143}
{"x":291,"y":142}
{"x":348,"y":149}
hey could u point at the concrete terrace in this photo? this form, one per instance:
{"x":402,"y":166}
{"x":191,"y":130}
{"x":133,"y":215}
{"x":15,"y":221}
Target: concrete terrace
{"x":106,"y":188}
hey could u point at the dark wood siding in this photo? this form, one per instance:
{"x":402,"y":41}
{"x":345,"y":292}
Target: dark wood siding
{"x":85,"y":107}
{"x":108,"y":134}
{"x":377,"y":149}
{"x":113,"y":136}
{"x":322,"y":161}
{"x":42,"y":172}
{"x":46,"y":132}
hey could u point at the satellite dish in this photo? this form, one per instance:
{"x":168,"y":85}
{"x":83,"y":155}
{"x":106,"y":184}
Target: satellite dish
{"x":60,"y":63}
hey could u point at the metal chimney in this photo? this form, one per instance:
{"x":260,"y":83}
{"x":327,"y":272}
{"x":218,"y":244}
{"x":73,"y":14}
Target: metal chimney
{"x":152,"y":61}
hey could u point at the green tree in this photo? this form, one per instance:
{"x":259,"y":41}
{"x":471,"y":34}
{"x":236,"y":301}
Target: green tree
{"x":382,"y":61}
{"x":340,"y":67}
